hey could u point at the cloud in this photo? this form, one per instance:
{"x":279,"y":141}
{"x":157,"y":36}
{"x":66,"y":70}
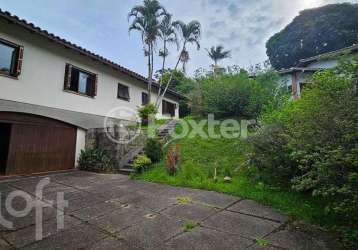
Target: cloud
{"x":242,"y":26}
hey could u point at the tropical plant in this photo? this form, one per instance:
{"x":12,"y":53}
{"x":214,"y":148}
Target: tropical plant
{"x":190,"y":34}
{"x":147,"y":20}
{"x":95,"y":160}
{"x":141,"y":161}
{"x":147,"y":112}
{"x":153,"y":149}
{"x":218,"y":53}
{"x":172,"y":159}
{"x":311,"y":146}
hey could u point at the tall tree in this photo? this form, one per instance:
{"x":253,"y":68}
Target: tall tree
{"x":218,"y":53}
{"x":147,"y":20}
{"x":312,"y":32}
{"x":168,"y":35}
{"x":190,"y":34}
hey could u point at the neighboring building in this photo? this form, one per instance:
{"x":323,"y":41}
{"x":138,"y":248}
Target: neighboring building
{"x":52,"y":91}
{"x":296,"y":77}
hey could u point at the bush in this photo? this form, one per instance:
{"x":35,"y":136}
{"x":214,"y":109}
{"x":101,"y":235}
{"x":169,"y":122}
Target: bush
{"x":235,"y":95}
{"x":153,"y":150}
{"x":146,"y":112}
{"x":311,"y":146}
{"x":95,"y":160}
{"x":141,"y":162}
{"x":172,"y":159}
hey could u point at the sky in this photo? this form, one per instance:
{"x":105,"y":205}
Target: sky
{"x":242,"y":26}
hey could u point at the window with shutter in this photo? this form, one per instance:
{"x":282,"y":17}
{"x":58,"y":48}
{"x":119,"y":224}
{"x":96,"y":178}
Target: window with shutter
{"x":80,"y":81}
{"x":144,"y":98}
{"x":11,"y":57}
{"x":123,"y":92}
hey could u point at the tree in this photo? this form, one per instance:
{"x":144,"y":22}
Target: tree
{"x":313,"y":32}
{"x":167,"y":35}
{"x":146,"y":20}
{"x":189,"y":33}
{"x":218,"y":53}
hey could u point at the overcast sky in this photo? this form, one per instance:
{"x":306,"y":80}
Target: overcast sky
{"x":101,"y":26}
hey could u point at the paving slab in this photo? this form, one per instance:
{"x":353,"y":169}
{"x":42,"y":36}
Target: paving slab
{"x":112,"y":244}
{"x":253,"y":208}
{"x":27,"y":235}
{"x":77,"y":237}
{"x":295,"y":240}
{"x":118,"y":220}
{"x":115,"y":212}
{"x":207,"y":239}
{"x":244,"y":225}
{"x":191,"y":211}
{"x":152,"y":232}
{"x":214,"y":199}
{"x":98,"y":210}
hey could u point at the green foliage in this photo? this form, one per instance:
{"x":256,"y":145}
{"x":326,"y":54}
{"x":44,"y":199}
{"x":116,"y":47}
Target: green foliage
{"x":181,"y":84}
{"x":313,"y":32}
{"x":311,"y":146}
{"x":236,"y":95}
{"x":261,"y":242}
{"x":201,"y":156}
{"x":153,"y":150}
{"x":141,"y":161}
{"x":146,"y":111}
{"x":189,"y":226}
{"x":95,"y":160}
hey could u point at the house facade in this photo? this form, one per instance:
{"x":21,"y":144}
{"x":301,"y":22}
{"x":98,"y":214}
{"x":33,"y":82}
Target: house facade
{"x":295,"y":78}
{"x":53,"y":91}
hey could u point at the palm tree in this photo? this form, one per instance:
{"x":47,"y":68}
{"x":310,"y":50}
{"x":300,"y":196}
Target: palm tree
{"x":190,"y":33}
{"x":217,"y":53}
{"x":167,"y":35}
{"x":184,"y":58}
{"x":146,"y":19}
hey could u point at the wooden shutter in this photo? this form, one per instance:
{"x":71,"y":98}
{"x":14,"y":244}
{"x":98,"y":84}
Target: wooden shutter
{"x":95,"y":83}
{"x":68,"y":71}
{"x":19,"y":60}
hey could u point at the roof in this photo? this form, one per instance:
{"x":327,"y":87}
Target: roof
{"x":335,"y":53}
{"x":297,"y":69}
{"x":63,"y":42}
{"x":79,"y":119}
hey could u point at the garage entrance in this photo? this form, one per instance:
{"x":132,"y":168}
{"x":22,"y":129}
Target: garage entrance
{"x":33,"y":144}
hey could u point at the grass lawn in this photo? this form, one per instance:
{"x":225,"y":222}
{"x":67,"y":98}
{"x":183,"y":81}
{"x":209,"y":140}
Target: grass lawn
{"x":200,"y":157}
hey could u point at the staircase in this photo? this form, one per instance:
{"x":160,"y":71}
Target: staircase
{"x":163,"y":132}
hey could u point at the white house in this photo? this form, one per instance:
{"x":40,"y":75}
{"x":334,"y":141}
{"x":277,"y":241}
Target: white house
{"x":296,"y":77}
{"x":52,"y":91}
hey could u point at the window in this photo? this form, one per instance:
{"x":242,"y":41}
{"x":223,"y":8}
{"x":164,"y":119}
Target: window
{"x":10,"y":58}
{"x":144,"y":98}
{"x":123,"y":92}
{"x":80,"y":81}
{"x":168,"y":108}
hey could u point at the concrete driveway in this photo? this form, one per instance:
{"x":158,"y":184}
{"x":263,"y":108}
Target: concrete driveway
{"x":114,"y":212}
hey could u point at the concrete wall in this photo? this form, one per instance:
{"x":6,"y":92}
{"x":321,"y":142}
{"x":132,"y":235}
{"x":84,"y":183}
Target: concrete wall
{"x":80,"y":143}
{"x":42,"y":78}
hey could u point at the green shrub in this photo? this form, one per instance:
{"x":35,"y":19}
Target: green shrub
{"x":141,"y":162}
{"x":95,"y":160}
{"x":147,"y":111}
{"x":311,"y":146}
{"x":154,"y":150}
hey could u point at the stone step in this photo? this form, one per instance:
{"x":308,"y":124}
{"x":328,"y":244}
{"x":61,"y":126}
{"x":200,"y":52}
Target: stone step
{"x":126,"y":171}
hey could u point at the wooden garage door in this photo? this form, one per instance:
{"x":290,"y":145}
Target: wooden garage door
{"x":39,"y":144}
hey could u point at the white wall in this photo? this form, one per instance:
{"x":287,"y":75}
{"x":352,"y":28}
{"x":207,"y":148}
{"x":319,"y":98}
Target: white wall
{"x":80,"y":143}
{"x":42,"y":78}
